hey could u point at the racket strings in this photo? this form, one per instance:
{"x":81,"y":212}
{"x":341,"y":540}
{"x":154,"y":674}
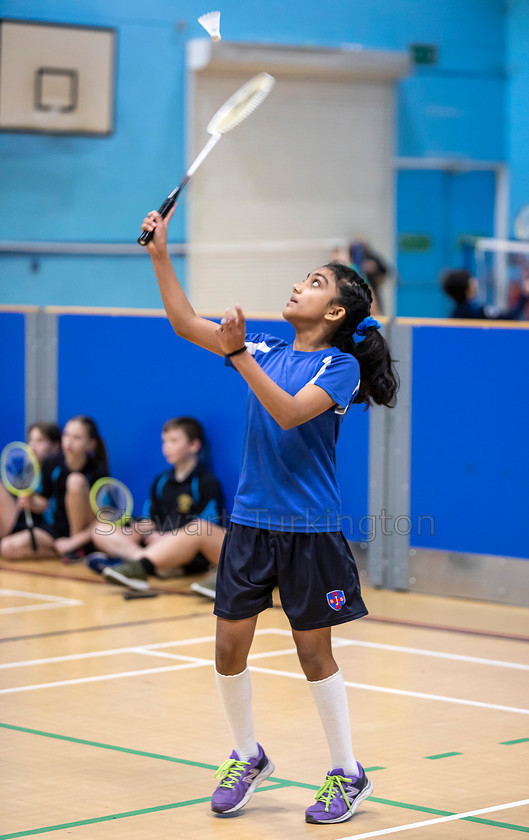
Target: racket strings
{"x":243,"y":103}
{"x":20,"y":474}
{"x":20,"y":471}
{"x":111,"y":500}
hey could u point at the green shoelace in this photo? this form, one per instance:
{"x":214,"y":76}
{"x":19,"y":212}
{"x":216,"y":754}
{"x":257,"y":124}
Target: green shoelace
{"x":230,"y":772}
{"x":327,"y":792}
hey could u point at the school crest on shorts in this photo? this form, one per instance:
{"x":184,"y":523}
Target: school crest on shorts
{"x":336,"y":599}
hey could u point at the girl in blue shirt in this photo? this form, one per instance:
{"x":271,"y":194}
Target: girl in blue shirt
{"x":285,"y":527}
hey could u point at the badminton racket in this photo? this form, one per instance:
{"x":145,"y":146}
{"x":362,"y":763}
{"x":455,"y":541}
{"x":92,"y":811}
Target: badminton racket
{"x":111,"y":501}
{"x":20,"y":473}
{"x":239,"y":106}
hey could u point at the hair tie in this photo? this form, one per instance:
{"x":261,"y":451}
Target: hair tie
{"x":361,"y":330}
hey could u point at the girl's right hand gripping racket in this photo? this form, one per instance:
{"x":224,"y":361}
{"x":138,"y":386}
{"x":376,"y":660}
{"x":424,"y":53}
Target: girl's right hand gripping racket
{"x":239,"y":106}
{"x":20,"y":472}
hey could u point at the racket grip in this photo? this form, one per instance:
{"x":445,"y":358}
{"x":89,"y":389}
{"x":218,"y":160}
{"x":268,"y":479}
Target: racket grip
{"x":30,"y":525}
{"x":147,"y":235}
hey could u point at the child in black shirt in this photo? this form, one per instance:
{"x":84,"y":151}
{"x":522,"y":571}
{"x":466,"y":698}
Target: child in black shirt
{"x":185,"y":514}
{"x":459,"y":285}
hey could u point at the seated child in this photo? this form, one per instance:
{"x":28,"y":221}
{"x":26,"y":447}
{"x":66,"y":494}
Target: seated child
{"x":45,"y":441}
{"x":459,"y":285}
{"x":185,"y":514}
{"x":64,"y":498}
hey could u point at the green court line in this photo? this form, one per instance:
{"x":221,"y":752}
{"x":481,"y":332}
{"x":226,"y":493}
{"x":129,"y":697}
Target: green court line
{"x":86,"y":743}
{"x":159,"y":756}
{"x":107,"y":818}
{"x":511,"y":826}
{"x":517,"y":741}
{"x":442,"y":755}
{"x":122,"y":815}
{"x":145,"y":754}
{"x":273,"y":783}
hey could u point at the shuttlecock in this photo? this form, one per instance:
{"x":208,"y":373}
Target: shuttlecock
{"x":211,"y":23}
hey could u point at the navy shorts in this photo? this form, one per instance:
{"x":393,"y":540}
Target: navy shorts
{"x":316,"y":575}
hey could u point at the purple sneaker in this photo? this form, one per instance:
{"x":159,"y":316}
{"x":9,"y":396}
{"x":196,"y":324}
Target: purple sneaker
{"x":239,"y":780}
{"x":339,"y":797}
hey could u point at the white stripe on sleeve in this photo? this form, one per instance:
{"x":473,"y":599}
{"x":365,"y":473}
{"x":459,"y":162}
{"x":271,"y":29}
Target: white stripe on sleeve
{"x":253,"y":347}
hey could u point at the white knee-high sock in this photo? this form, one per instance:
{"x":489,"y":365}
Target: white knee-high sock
{"x":331,"y":699}
{"x":236,"y":697}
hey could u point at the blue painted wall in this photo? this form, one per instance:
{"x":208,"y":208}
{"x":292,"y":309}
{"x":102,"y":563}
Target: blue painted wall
{"x":444,"y":207}
{"x":97,"y":189}
{"x":517,"y":99}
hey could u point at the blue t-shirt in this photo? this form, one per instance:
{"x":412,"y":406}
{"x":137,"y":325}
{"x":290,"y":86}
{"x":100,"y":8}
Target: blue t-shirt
{"x":288,"y":477}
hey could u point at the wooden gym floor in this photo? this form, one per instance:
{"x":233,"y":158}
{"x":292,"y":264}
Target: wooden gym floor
{"x":110,"y":725}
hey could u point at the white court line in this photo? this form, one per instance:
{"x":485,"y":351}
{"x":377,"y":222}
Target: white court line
{"x":252,"y":656}
{"x":147,"y":652}
{"x":456,"y":657}
{"x":198,"y":640}
{"x":71,"y":657}
{"x":338,"y":642}
{"x":35,"y":607}
{"x":109,"y":652}
{"x":53,"y":601}
{"x":401,"y":692}
{"x":436,"y":821}
{"x":37,"y":597}
{"x":197,"y":662}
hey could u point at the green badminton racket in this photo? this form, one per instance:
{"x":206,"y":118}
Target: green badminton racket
{"x":20,"y":473}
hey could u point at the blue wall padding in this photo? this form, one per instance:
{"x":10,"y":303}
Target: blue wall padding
{"x":12,"y":380}
{"x":353,"y":466}
{"x":133,"y":373}
{"x":470,"y":459}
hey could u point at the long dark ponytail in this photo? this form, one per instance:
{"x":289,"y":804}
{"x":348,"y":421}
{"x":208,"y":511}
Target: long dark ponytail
{"x":379,"y":380}
{"x":100,"y":452}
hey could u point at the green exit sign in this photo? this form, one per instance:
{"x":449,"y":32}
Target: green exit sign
{"x":415,"y":243}
{"x":424,"y":53}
